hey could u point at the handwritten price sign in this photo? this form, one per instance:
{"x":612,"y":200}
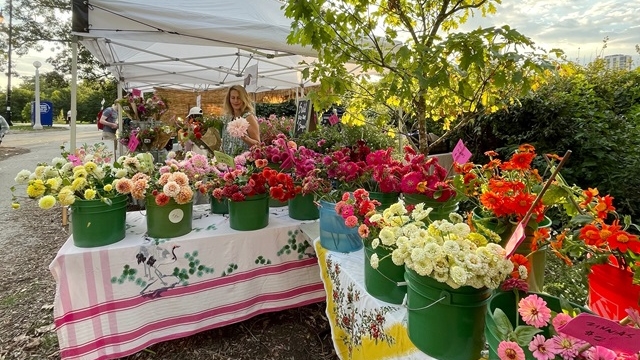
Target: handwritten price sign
{"x":599,"y":331}
{"x":460,"y":153}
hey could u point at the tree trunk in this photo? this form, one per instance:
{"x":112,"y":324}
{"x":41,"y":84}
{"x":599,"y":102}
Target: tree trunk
{"x":421,"y":109}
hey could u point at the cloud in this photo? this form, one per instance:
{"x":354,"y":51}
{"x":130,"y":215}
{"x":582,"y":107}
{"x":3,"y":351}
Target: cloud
{"x":576,"y":26}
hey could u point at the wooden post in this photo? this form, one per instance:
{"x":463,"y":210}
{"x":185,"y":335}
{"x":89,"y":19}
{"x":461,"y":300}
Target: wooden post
{"x":64,"y":216}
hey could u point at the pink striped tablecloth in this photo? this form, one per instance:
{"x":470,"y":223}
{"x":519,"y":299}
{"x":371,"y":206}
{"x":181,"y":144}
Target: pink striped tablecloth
{"x":111,"y":301}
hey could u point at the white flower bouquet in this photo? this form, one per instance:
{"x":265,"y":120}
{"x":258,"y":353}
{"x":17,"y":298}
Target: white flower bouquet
{"x":447,"y":251}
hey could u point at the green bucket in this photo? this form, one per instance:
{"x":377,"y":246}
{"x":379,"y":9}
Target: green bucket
{"x":506,"y":301}
{"x":250,"y":214}
{"x":95,"y":223}
{"x":443,"y":322}
{"x":385,"y":199}
{"x":382,"y":283}
{"x":219,"y":206}
{"x":170,"y":220}
{"x":441,"y":210}
{"x":302,"y":207}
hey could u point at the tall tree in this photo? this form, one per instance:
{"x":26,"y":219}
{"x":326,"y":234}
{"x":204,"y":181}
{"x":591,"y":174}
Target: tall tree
{"x":435,"y":74}
{"x":45,"y":24}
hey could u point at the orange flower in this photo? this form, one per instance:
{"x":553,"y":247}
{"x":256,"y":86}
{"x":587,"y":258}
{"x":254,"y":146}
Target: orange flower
{"x":604,"y":206}
{"x":526,"y":148}
{"x":499,"y":186}
{"x":539,"y":236}
{"x":519,"y":161}
{"x":622,"y":241}
{"x":491,"y":153}
{"x":589,"y":195}
{"x":519,"y":260}
{"x":554,"y":157}
{"x":490,"y":200}
{"x":590,"y":234}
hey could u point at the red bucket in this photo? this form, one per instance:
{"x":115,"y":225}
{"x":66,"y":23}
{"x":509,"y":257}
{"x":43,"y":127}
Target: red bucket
{"x":611,"y":292}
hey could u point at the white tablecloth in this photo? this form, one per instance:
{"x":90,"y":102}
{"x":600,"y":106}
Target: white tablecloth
{"x":362,"y":327}
{"x":109,"y":303}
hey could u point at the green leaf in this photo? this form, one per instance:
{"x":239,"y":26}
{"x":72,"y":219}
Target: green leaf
{"x":523,"y":334}
{"x":503,"y":325}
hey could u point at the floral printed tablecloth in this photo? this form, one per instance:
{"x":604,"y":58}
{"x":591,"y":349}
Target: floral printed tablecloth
{"x":116,"y":300}
{"x":362,"y":327}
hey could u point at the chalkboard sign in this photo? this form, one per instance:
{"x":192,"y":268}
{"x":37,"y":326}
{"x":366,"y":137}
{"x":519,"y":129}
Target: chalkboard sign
{"x":303,"y":117}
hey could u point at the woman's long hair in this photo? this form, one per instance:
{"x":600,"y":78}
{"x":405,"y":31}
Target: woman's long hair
{"x":244,"y":96}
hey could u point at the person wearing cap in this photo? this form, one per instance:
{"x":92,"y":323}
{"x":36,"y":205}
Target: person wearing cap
{"x":194,"y":113}
{"x":238,"y":104}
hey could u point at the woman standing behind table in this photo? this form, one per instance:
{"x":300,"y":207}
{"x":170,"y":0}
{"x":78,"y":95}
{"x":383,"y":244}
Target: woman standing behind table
{"x":237,"y":104}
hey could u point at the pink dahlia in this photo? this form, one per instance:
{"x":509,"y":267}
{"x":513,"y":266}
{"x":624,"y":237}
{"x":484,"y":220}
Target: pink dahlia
{"x":238,"y":127}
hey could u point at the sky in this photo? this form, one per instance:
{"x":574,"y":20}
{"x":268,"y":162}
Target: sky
{"x":576,"y":26}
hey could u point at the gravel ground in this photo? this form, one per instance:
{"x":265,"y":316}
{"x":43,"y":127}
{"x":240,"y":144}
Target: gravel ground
{"x":27,"y":292}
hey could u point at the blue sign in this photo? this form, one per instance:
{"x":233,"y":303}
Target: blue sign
{"x":46,"y":113}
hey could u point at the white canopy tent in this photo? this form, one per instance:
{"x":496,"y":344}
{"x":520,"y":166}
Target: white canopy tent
{"x":194,"y":44}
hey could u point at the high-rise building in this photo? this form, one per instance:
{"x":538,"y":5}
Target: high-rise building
{"x":618,"y":61}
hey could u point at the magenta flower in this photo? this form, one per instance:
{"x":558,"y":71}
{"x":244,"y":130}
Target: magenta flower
{"x":513,"y":283}
{"x":509,"y":350}
{"x":601,"y":353}
{"x":410,"y":182}
{"x":534,"y":311}
{"x":541,"y":348}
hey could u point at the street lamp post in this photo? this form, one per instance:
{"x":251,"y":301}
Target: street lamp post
{"x":36,"y":108}
{"x":8,"y":63}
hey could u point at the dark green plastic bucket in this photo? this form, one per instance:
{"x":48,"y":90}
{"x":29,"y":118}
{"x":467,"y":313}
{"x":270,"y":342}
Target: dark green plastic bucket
{"x":219,"y":206}
{"x":168,"y":221}
{"x":385,"y":199}
{"x":382,"y":283}
{"x":250,"y":214}
{"x":95,"y":223}
{"x":451,"y":328}
{"x":506,"y":301}
{"x":441,"y":210}
{"x":302,"y":207}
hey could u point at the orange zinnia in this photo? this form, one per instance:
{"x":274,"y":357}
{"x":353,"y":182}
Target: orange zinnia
{"x":519,"y":161}
{"x":604,"y":206}
{"x":622,"y":241}
{"x":519,"y":260}
{"x":590,"y":234}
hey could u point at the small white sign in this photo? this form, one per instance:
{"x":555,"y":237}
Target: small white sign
{"x":176,"y":215}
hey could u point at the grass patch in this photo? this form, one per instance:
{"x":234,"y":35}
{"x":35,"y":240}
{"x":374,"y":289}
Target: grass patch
{"x":10,"y":300}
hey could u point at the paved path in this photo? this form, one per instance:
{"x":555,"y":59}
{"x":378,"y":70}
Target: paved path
{"x":44,"y":145}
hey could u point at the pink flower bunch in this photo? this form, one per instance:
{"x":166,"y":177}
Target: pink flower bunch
{"x":386,"y":172}
{"x":169,"y":185}
{"x":238,"y":127}
{"x":280,"y":151}
{"x":273,"y":126}
{"x":339,"y":166}
{"x":425,"y":176}
{"x":356,"y":209}
{"x":248,"y":178}
{"x":536,"y":314}
{"x":195,"y":166}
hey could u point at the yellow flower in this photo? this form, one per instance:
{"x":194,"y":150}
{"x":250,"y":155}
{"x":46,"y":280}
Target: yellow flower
{"x":108,"y":187}
{"x":79,"y":183}
{"x":47,"y":202}
{"x":15,"y":206}
{"x":36,"y":188}
{"x":477,"y":239}
{"x":90,"y":166}
{"x":66,"y":196}
{"x":89,"y":194}
{"x":79,"y":172}
{"x":54,"y":183}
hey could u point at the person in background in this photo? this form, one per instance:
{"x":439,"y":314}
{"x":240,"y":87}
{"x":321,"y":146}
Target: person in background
{"x":194,"y":114}
{"x":238,"y":104}
{"x":4,"y":127}
{"x":109,"y":119}
{"x":69,"y":117}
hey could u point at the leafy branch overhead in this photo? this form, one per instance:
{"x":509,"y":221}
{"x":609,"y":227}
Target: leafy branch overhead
{"x":410,"y":57}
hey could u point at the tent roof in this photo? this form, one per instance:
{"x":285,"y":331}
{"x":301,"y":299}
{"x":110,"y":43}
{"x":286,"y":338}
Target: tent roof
{"x":194,"y":44}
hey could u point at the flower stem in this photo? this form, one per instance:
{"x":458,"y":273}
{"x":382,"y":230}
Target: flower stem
{"x":517,"y":292}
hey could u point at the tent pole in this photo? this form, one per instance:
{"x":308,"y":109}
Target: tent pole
{"x":74,"y":90}
{"x":119,"y":152}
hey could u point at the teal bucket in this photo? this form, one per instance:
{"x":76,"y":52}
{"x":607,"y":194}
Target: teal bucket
{"x":219,"y":206}
{"x":303,"y":207}
{"x":443,"y":322}
{"x":383,"y":283}
{"x":250,"y":214}
{"x":385,"y":199}
{"x":95,"y":223}
{"x":441,"y":210}
{"x":168,"y":221}
{"x":334,"y":234}
{"x":506,"y":301}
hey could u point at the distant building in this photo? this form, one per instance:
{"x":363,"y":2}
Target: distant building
{"x":618,"y":61}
